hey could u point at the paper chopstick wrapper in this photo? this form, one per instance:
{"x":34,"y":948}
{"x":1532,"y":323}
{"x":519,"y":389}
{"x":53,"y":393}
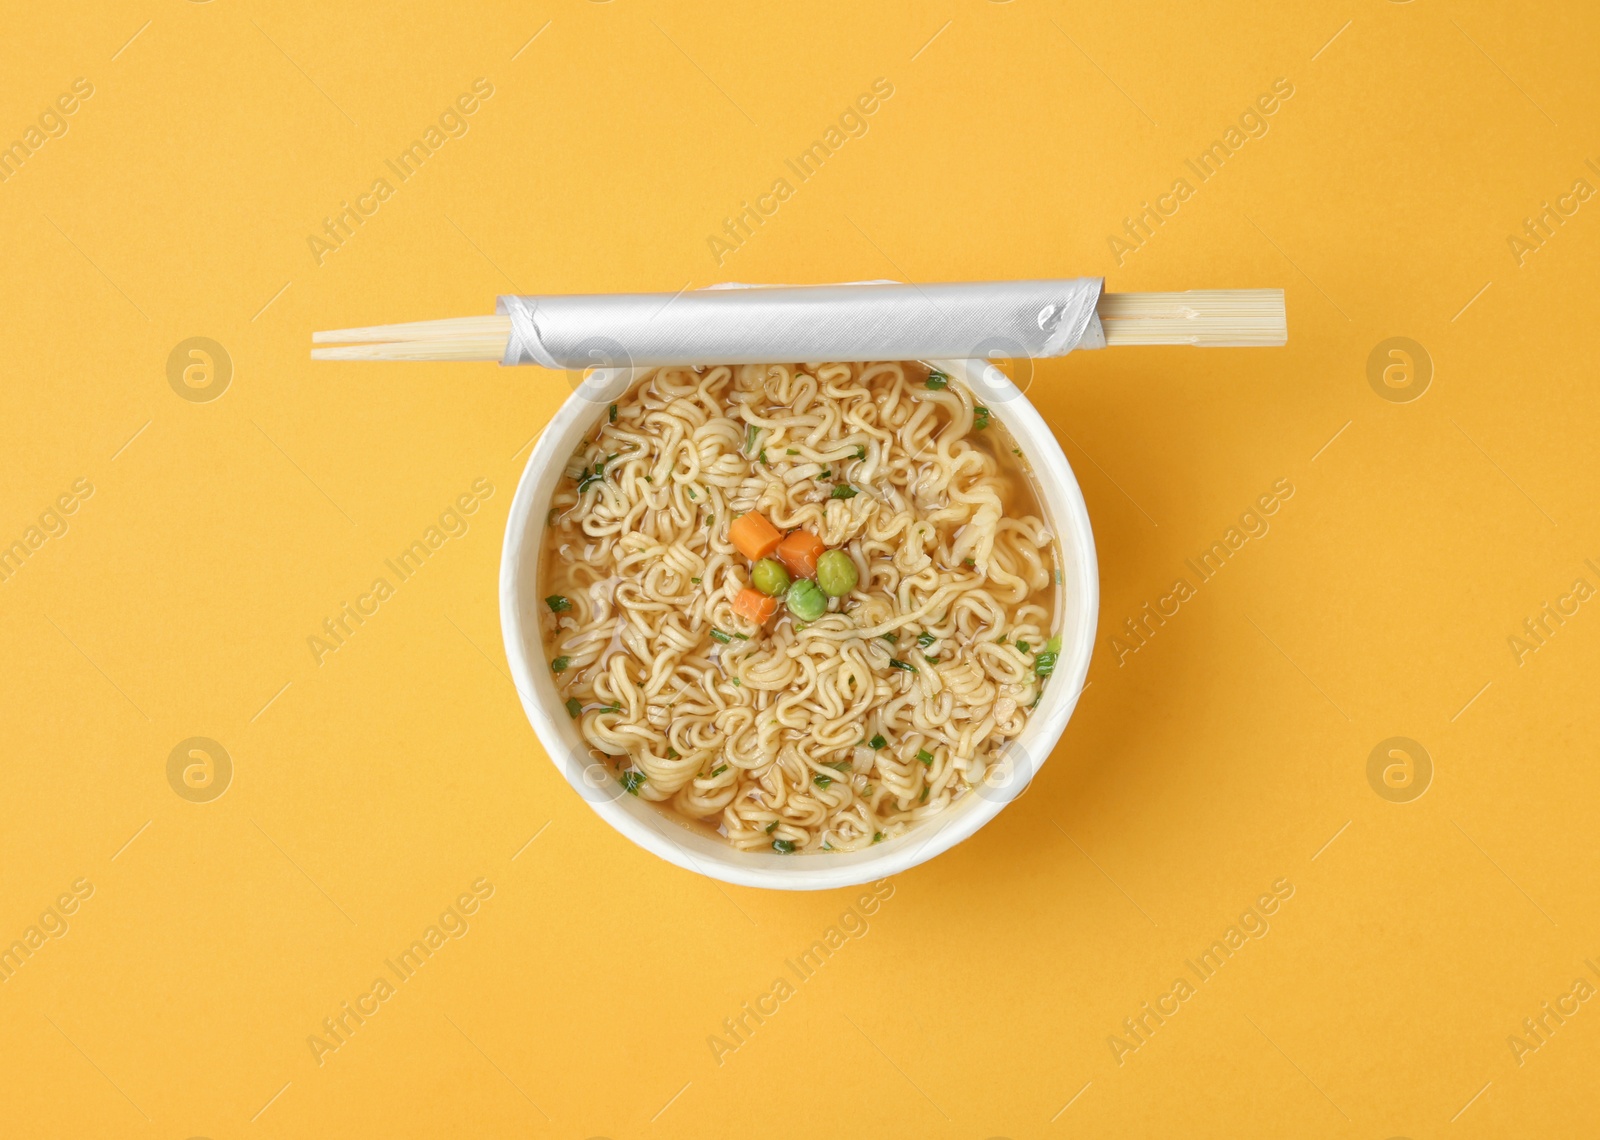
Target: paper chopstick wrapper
{"x":806,"y":323}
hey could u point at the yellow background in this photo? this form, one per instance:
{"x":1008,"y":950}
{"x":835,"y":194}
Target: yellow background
{"x":371,"y":790}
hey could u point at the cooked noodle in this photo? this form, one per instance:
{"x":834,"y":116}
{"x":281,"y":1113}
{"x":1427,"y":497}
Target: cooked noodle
{"x":829,"y":735}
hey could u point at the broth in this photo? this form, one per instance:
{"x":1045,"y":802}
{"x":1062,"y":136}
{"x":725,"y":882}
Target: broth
{"x":793,"y":735}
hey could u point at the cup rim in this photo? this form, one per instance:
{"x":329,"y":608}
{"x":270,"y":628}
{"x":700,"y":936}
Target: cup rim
{"x":1068,"y":518}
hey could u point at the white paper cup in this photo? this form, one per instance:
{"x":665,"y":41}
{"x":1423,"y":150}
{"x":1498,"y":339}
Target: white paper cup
{"x":656,"y":832}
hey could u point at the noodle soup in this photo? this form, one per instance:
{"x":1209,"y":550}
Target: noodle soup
{"x":781,"y":711}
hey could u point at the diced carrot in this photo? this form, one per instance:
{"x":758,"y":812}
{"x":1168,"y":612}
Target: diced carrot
{"x":799,"y":552}
{"x":753,"y":536}
{"x":754,"y":606}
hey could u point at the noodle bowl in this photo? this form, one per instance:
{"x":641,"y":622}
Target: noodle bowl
{"x":792,"y":735}
{"x":695,"y":844}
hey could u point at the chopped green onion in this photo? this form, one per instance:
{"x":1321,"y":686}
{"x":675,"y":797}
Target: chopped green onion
{"x":896,"y":663}
{"x":574,"y":709}
{"x":931,"y":660}
{"x":742,"y":636}
{"x":968,"y":563}
{"x":925,"y":756}
{"x":878,"y":742}
{"x":647,"y":479}
{"x":937,"y":380}
{"x":631,"y":782}
{"x":825,"y":473}
{"x":783,"y":846}
{"x":822,"y":781}
{"x":609,"y":708}
{"x":1054,"y":644}
{"x":891,"y":638}
{"x":771,"y":825}
{"x":877,"y":837}
{"x":925,"y":792}
{"x":557,"y":604}
{"x":719,"y":769}
{"x":692,"y":495}
{"x":790,"y":451}
{"x":696,"y":581}
{"x":751,"y":434}
{"x":718,"y":635}
{"x":980,"y":419}
{"x":559,"y":665}
{"x":672,"y":753}
{"x":1044,"y":664}
{"x":613,"y":413}
{"x":839,"y":765}
{"x":763,"y":456}
{"x":861,"y":452}
{"x":925,"y":639}
{"x":736,"y":682}
{"x":844,"y":492}
{"x":1022,"y":647}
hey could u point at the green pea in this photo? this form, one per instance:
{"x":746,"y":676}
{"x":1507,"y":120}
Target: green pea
{"x":836,"y":573}
{"x":805,"y":601}
{"x":770,"y":577}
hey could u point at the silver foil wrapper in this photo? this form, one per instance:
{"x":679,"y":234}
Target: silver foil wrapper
{"x":806,"y":323}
